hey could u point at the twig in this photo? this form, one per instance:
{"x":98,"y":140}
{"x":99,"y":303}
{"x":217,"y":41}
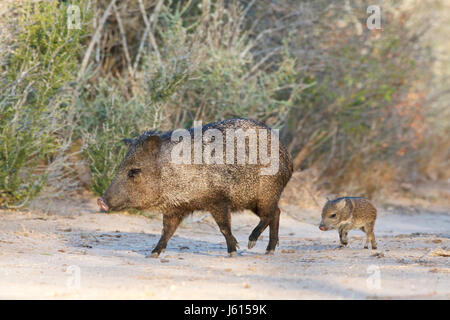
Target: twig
{"x":252,"y":44}
{"x":148,"y":26}
{"x":124,"y":40}
{"x":144,"y":36}
{"x":154,"y":16}
{"x":304,"y":152}
{"x":241,"y":18}
{"x":94,"y":40}
{"x":262,"y":61}
{"x":24,"y":202}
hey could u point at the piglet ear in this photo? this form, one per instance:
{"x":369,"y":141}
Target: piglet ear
{"x":128,"y":142}
{"x":341,"y":204}
{"x":152,"y":144}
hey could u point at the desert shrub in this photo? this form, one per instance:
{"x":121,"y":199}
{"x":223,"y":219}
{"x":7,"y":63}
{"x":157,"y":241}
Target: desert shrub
{"x":205,"y":52}
{"x":103,"y":123}
{"x":365,"y":109}
{"x":345,"y":97}
{"x":189,"y":78}
{"x":226,"y":81}
{"x":223,"y":80}
{"x":39,"y":60}
{"x":23,"y":146}
{"x":349,"y":101}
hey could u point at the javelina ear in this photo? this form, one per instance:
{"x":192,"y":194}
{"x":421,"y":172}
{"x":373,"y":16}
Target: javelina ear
{"x":152,"y":143}
{"x":341,"y":204}
{"x":331,"y":197}
{"x":128,"y":142}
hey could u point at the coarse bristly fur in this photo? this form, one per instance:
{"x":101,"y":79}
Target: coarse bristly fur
{"x":148,"y":179}
{"x":347,"y":213}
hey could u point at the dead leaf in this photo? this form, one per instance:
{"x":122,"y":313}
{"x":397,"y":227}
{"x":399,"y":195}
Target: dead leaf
{"x":439,"y":270}
{"x":378,"y":255}
{"x":439,"y":252}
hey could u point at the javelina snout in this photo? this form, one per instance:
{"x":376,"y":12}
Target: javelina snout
{"x":101,"y":203}
{"x":149,"y":178}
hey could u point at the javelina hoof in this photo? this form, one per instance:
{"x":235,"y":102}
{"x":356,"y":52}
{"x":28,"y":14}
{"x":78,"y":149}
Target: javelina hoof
{"x":153,"y":255}
{"x":251,"y":243}
{"x":232,"y":254}
{"x":270,"y":252}
{"x":366,"y":247}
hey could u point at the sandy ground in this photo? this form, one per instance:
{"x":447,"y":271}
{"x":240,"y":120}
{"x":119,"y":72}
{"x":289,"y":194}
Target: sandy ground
{"x":80,"y":253}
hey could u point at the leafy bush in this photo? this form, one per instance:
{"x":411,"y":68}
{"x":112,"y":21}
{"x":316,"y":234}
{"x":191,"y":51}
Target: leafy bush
{"x":223,"y":78}
{"x":104,"y":124}
{"x":34,"y":97}
{"x":364,"y":111}
{"x":189,"y":79}
{"x":340,"y":93}
{"x":349,"y":101}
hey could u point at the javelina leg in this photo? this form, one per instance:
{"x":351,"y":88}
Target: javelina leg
{"x":273,"y":237}
{"x":370,"y":236}
{"x":266,"y":214}
{"x":343,"y":232}
{"x":222,"y":217}
{"x":366,"y":246}
{"x":170,"y":224}
{"x":262,"y":225}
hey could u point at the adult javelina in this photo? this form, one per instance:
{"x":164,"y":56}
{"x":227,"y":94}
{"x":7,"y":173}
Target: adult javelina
{"x":149,"y":179}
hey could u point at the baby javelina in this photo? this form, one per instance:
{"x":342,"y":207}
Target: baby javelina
{"x":347,"y":213}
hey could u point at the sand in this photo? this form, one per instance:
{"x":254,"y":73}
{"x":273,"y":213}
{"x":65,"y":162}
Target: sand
{"x":79,"y":253}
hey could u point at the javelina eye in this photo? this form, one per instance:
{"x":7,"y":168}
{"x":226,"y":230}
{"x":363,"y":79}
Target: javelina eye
{"x":333,"y":215}
{"x":133,"y":172}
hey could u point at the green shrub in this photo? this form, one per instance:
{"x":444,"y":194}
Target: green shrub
{"x":345,"y":97}
{"x":358,"y":115}
{"x":34,"y":98}
{"x":104,"y":123}
{"x":191,"y":79}
{"x":222,"y":80}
